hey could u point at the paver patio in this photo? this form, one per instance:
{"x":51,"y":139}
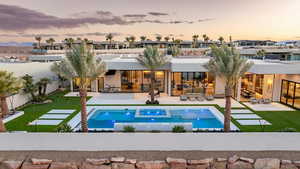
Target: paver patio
{"x":46,"y":122}
{"x":245,"y":116}
{"x":253,"y":122}
{"x":54,"y":116}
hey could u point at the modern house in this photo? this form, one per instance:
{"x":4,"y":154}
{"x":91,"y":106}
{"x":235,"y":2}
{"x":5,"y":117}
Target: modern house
{"x":272,"y":79}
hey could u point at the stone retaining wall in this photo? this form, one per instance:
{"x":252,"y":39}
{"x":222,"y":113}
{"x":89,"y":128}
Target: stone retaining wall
{"x":234,"y":162}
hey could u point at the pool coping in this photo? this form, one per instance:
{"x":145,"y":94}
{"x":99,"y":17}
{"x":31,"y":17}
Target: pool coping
{"x":213,"y":109}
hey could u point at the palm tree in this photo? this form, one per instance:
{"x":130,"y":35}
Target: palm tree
{"x":261,"y":53}
{"x":69,"y":42}
{"x":152,"y":60}
{"x":174,"y":51}
{"x":9,"y":84}
{"x":143,"y":38}
{"x":45,"y":82}
{"x":30,"y":87}
{"x":204,"y":36}
{"x":39,"y":39}
{"x":167,"y":38}
{"x":131,"y":41}
{"x":228,"y":65}
{"x":80,"y":63}
{"x":109,"y":37}
{"x":177,"y":42}
{"x":221,"y":39}
{"x":195,"y":40}
{"x":51,"y":42}
{"x":158,"y":38}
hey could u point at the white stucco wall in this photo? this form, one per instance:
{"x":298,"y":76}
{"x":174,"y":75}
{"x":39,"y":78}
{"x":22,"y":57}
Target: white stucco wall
{"x":37,"y":70}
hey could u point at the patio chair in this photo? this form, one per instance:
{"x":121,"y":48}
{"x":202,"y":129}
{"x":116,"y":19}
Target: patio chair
{"x":267,"y":101}
{"x":253,"y":100}
{"x":209,"y":98}
{"x":192,"y":98}
{"x":200,"y":98}
{"x":183,"y":98}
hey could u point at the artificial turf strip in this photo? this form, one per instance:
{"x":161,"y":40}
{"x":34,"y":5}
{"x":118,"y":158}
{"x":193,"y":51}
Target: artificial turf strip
{"x":279,"y":119}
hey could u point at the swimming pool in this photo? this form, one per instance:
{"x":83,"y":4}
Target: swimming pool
{"x":152,"y":118}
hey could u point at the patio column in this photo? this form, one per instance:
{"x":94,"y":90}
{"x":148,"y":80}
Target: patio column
{"x":96,"y":85}
{"x":169,"y":81}
{"x":71,"y":85}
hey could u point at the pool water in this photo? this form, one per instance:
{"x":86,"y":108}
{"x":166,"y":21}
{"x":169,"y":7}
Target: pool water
{"x":153,"y":112}
{"x":200,"y":118}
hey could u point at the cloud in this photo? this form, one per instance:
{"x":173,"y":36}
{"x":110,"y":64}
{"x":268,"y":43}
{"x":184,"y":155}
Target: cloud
{"x":157,"y":14}
{"x":134,"y":16}
{"x":18,"y":19}
{"x":15,"y":18}
{"x":61,"y":35}
{"x":206,"y":19}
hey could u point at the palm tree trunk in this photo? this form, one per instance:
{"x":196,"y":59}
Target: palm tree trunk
{"x":84,"y":125}
{"x":152,"y":86}
{"x":4,"y":107}
{"x":4,"y":111}
{"x":227,"y":115}
{"x":44,"y":89}
{"x":2,"y":126}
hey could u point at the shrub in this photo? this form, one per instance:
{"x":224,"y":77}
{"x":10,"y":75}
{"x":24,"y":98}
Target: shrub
{"x":178,"y":129}
{"x":155,"y":102}
{"x":128,"y":129}
{"x":65,"y":128}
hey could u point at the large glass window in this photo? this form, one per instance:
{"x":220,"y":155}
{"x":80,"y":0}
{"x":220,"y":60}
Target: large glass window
{"x":140,"y":81}
{"x":259,"y":82}
{"x":76,"y":83}
{"x":297,"y":96}
{"x":192,"y":82}
{"x":290,"y":93}
{"x":284,"y":95}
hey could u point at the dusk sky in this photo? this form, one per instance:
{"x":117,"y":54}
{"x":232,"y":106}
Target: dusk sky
{"x":21,"y":20}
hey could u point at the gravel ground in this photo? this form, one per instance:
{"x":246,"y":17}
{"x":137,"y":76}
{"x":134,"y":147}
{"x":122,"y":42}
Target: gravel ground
{"x":77,"y":156}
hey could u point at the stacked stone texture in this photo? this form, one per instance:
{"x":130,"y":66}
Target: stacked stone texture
{"x":234,"y":162}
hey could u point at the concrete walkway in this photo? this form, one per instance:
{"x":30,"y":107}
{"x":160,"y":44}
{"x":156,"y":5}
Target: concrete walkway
{"x":150,"y":141}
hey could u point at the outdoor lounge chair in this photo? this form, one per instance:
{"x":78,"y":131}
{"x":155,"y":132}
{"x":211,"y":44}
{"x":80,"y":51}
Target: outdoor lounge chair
{"x":267,"y":101}
{"x":200,"y":98}
{"x":192,"y":98}
{"x":253,"y":100}
{"x":209,"y":98}
{"x":183,"y":98}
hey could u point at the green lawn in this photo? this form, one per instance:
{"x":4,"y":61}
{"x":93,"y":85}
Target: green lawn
{"x":279,"y":119}
{"x":33,"y":111}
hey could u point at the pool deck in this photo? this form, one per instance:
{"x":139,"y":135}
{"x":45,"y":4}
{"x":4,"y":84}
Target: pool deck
{"x":150,"y":141}
{"x":140,"y":98}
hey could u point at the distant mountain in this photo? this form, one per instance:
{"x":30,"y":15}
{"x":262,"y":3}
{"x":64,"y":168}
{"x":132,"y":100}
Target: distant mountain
{"x":16,"y":43}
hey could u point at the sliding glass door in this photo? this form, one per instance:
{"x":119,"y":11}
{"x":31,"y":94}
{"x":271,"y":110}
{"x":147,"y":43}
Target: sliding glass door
{"x":140,"y":81}
{"x":290,"y":93}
